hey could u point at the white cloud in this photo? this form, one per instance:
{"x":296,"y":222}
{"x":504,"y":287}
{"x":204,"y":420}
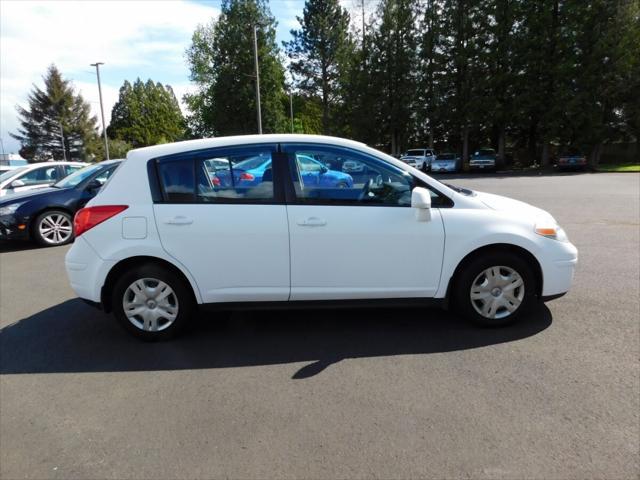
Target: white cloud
{"x":132,"y":38}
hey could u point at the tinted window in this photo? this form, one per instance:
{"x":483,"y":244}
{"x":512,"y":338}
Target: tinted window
{"x":78,"y":176}
{"x":178,"y":180}
{"x":8,"y":174}
{"x":415,"y":153}
{"x":69,"y":169}
{"x":363,"y":179}
{"x":234,"y":175}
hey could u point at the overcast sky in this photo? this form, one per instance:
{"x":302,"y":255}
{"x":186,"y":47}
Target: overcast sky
{"x":145,"y":39}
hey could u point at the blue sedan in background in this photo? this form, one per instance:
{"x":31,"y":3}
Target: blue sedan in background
{"x":46,"y":215}
{"x":250,"y":172}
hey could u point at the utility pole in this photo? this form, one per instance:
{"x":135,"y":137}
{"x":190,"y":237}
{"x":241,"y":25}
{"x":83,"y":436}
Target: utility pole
{"x":64,"y":149}
{"x":291,"y":108}
{"x":104,"y":127}
{"x":362,"y":5}
{"x":255,"y":55}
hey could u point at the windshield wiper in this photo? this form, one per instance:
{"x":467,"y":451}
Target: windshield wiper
{"x":463,"y":191}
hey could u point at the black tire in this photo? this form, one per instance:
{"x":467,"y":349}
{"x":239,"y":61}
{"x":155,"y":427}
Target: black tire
{"x":461,"y":296}
{"x":37,"y":225}
{"x":182,"y":294}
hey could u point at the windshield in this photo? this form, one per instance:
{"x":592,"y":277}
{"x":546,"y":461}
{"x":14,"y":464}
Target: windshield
{"x":10,"y":173}
{"x":77,"y":177}
{"x":415,"y":153}
{"x":446,"y":156}
{"x":486,"y":151}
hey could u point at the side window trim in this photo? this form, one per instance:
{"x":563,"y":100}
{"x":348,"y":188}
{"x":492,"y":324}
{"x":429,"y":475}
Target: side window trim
{"x":159,"y":195}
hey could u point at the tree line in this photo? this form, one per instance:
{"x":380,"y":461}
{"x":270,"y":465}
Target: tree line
{"x":526,"y":78}
{"x":522,"y":77}
{"x":57,"y":123}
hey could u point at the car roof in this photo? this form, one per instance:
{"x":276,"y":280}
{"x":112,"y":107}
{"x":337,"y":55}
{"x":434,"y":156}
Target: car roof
{"x":51,"y":164}
{"x":177,"y":147}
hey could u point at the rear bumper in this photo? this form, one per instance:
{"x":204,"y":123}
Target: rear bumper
{"x":86,"y":270}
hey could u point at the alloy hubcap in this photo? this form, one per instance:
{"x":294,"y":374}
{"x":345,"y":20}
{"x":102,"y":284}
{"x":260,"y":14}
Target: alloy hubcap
{"x":55,"y":228}
{"x":150,"y":304}
{"x":497,"y":292}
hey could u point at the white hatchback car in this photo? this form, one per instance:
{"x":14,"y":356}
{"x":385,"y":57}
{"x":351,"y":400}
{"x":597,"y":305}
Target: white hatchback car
{"x":166,"y":235}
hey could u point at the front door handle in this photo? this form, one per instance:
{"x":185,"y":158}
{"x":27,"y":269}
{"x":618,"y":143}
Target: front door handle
{"x":178,"y":220}
{"x":312,"y":222}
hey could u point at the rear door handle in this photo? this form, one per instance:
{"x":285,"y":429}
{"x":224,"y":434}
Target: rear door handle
{"x":179,"y":220}
{"x":312,"y":222}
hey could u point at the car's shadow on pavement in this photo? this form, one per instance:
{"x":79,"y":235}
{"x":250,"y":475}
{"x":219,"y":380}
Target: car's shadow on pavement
{"x":7,"y":246}
{"x":72,"y":337}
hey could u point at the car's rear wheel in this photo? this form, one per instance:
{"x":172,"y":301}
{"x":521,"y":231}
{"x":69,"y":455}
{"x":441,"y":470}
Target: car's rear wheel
{"x":495,"y":289}
{"x":53,"y":228}
{"x":152,"y":302}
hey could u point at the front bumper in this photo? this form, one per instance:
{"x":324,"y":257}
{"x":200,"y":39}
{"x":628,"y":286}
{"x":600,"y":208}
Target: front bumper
{"x":558,"y":269}
{"x":442,"y":168}
{"x":482,"y":166}
{"x":12,"y":228}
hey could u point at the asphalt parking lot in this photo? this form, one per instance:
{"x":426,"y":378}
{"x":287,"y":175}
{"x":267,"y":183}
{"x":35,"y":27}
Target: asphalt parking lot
{"x":338,"y":394}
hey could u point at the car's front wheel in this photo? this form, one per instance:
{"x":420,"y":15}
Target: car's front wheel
{"x":152,"y":302}
{"x":53,"y":228}
{"x":495,"y":289}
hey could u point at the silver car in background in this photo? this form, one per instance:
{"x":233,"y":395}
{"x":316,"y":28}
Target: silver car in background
{"x":419,"y":158}
{"x":446,"y":162}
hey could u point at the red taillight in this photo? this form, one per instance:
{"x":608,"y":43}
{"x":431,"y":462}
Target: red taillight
{"x":246,"y":176}
{"x":89,"y":217}
{"x":215,"y":181}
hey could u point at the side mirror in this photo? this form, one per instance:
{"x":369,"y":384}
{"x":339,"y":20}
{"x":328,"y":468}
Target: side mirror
{"x":17,"y":183}
{"x":323,"y":170}
{"x":93,"y":186}
{"x":421,"y":201}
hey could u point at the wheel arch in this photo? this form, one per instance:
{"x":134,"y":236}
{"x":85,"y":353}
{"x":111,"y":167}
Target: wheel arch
{"x":132,"y":262}
{"x":531,"y":260}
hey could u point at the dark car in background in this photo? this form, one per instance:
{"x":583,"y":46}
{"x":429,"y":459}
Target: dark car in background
{"x":572,"y":159}
{"x":483,"y":159}
{"x":46,"y":215}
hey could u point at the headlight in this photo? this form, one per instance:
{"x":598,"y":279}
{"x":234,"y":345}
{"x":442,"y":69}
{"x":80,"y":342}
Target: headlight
{"x":553,"y":231}
{"x":9,"y":209}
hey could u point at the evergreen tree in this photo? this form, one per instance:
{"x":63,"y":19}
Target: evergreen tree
{"x":221,"y":61}
{"x":57,"y":123}
{"x":319,"y":53}
{"x":393,"y":63}
{"x":429,"y":106}
{"x":146,"y":114}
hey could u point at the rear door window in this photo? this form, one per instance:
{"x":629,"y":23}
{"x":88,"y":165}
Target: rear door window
{"x":225,"y":175}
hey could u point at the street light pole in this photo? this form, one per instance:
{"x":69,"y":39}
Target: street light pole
{"x":255,"y":55}
{"x":104,"y":127}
